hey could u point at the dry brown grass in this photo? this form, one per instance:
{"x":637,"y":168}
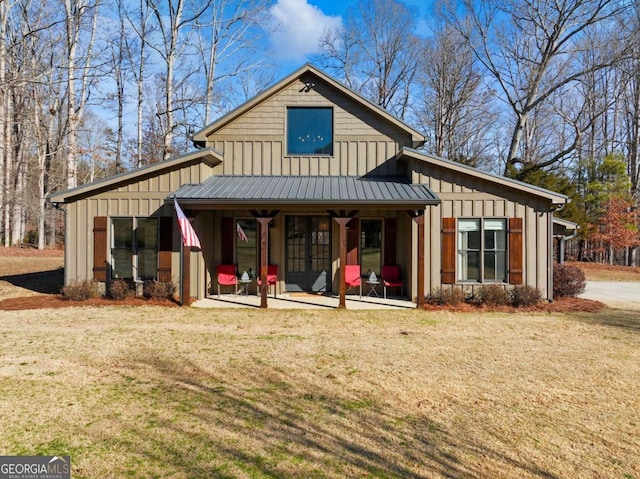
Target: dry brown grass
{"x":177,"y":392}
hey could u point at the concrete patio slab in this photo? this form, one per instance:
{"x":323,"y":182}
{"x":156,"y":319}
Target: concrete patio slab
{"x":304,"y":301}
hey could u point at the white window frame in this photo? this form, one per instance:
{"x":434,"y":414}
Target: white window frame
{"x":462,"y":249}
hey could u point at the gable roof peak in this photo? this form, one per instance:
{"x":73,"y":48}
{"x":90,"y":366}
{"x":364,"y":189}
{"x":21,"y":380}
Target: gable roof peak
{"x":200,"y":137}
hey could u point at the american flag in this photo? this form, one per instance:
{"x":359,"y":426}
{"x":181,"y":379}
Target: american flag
{"x":189,"y":236}
{"x":241,"y":235}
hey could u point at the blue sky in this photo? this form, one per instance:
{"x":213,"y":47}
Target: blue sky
{"x":301,"y":22}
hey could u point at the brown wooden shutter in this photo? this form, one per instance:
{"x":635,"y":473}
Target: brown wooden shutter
{"x":390,"y":232}
{"x":165,"y":248}
{"x":99,"y":248}
{"x":353,"y":240}
{"x":228,"y":230}
{"x":515,"y":251}
{"x":448,"y":271}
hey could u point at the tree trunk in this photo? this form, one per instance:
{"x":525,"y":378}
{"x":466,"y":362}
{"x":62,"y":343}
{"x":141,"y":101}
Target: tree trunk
{"x":4,"y":125}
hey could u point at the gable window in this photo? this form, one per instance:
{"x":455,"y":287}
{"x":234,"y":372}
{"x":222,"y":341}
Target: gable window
{"x":247,"y":246}
{"x":371,"y":246}
{"x":310,"y":131}
{"x":482,"y":250}
{"x":134,"y":248}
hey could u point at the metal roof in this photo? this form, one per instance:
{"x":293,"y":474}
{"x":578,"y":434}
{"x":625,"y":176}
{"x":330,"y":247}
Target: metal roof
{"x":307,"y":190}
{"x":208,"y":155}
{"x":556,"y":198}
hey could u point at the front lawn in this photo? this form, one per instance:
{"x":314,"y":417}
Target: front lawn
{"x":184,"y":393}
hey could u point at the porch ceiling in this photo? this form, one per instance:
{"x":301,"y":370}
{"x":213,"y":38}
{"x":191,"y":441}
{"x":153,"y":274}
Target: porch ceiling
{"x":307,"y":191}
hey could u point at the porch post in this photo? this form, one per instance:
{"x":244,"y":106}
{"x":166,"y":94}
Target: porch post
{"x":264,"y":217}
{"x":418,"y":218}
{"x":264,"y":259}
{"x":342,"y":222}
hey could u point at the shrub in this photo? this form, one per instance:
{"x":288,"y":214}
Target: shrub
{"x":492,"y":295}
{"x":450,"y":296}
{"x":159,"y":289}
{"x":568,"y":280}
{"x":80,"y":291}
{"x":119,"y":289}
{"x":523,"y":296}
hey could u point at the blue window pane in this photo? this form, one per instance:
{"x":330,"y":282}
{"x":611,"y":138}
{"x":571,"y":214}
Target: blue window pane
{"x":310,"y":131}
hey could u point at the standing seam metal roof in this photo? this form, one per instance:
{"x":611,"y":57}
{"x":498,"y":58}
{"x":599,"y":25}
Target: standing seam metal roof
{"x":306,"y":189}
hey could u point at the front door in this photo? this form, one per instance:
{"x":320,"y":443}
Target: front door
{"x":308,"y":253}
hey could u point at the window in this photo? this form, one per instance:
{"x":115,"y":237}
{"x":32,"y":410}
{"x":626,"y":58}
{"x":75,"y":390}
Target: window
{"x":371,"y":246}
{"x":134,"y":248}
{"x":310,"y":131}
{"x":482,"y":250}
{"x":247,"y":250}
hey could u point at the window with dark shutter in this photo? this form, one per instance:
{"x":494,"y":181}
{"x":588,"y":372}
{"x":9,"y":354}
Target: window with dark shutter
{"x":100,"y":248}
{"x":448,"y":271}
{"x":165,"y":247}
{"x":515,"y":251}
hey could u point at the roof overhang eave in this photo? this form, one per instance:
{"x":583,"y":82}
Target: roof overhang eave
{"x":257,"y":203}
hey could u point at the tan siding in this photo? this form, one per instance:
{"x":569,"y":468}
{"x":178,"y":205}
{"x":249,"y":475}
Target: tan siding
{"x":255,"y":142}
{"x":143,"y":198}
{"x":463,"y":196}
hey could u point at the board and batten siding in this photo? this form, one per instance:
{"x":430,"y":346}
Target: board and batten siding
{"x":142,"y":198}
{"x":465,"y":196}
{"x":255,"y":143}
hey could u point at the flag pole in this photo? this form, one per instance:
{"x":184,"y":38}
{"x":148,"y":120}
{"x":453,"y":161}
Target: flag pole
{"x":181,"y":302}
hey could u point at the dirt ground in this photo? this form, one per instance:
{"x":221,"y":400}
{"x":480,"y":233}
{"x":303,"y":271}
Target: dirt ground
{"x":32,"y":279}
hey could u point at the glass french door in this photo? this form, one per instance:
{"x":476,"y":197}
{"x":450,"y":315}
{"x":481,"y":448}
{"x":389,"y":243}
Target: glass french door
{"x":308,"y":252}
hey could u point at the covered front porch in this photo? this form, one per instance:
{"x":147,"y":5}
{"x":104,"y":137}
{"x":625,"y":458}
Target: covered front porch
{"x":304,"y":226}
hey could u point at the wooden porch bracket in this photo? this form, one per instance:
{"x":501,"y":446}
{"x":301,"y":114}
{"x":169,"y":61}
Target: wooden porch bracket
{"x":418,"y":217}
{"x":342,"y":213}
{"x":264,"y":213}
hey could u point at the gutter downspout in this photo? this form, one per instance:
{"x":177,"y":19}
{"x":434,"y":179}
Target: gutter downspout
{"x":557,"y":207}
{"x":561,"y":245}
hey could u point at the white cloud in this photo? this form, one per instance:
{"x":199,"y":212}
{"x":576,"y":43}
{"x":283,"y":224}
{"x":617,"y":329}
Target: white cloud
{"x":298,"y":27}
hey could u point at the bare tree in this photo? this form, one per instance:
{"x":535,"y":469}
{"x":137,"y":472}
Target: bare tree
{"x":76,"y":15}
{"x":531,"y":49}
{"x":377,"y":51}
{"x":226,"y":38}
{"x":5,"y":161}
{"x":630,"y":71}
{"x":454,"y":108}
{"x":140,"y":21}
{"x":173,"y":21}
